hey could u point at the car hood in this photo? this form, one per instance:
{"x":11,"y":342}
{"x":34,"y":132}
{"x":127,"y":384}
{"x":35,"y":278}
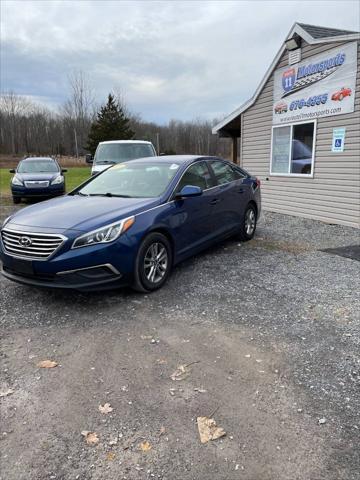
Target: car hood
{"x":37,"y":176}
{"x":74,"y":212}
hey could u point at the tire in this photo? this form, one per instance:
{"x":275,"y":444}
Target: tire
{"x":16,"y":200}
{"x":150,"y":277}
{"x":248,"y":227}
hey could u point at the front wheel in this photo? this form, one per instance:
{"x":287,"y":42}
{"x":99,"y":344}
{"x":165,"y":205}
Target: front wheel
{"x":153,"y":263}
{"x":248,"y":227}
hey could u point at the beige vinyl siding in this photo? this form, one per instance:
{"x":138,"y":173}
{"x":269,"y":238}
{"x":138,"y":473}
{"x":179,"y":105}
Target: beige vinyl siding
{"x":333,"y":194}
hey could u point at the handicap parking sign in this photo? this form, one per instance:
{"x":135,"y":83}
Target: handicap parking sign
{"x":338,"y":139}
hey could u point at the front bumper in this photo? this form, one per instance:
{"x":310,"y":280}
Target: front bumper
{"x":50,"y":191}
{"x":96,"y":267}
{"x":90,"y":278}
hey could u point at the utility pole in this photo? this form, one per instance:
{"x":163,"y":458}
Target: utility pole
{"x":76,"y":144}
{"x":158,"y":143}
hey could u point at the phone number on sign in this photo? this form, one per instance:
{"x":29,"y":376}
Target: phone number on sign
{"x":310,"y":102}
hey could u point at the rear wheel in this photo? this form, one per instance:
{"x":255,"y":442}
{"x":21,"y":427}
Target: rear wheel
{"x":248,"y":227}
{"x":153,"y":263}
{"x":16,"y":200}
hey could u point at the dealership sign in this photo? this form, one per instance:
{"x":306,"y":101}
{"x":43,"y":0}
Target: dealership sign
{"x":321,"y":86}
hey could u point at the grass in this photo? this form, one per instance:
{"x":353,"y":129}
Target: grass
{"x":73,"y":177}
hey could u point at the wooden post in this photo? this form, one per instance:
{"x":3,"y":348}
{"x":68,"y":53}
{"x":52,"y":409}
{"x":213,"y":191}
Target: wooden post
{"x":234,"y":149}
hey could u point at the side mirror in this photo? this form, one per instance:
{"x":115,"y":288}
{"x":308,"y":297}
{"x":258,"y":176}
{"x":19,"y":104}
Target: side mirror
{"x":63,"y":170}
{"x":189,"y":191}
{"x":89,"y":158}
{"x":12,"y":170}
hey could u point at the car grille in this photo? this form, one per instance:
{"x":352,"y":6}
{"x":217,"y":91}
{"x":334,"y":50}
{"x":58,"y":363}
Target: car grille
{"x":31,"y":245}
{"x":36,"y":183}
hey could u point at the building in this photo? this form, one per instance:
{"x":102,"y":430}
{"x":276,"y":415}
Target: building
{"x":300,"y":132}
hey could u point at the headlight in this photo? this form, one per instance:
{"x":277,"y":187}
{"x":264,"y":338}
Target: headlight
{"x":58,"y":180}
{"x":104,"y":234}
{"x":16,"y":181}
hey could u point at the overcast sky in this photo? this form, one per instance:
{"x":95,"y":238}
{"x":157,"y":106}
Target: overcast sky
{"x":169,"y":59}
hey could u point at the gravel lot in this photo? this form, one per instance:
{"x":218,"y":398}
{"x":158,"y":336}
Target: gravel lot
{"x":274,"y":328}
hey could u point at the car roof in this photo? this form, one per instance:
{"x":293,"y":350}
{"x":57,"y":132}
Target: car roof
{"x":125,"y":141}
{"x":34,"y":159}
{"x":179,"y":159}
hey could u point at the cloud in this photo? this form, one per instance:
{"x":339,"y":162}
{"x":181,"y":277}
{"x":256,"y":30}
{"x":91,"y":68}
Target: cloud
{"x":169,"y":59}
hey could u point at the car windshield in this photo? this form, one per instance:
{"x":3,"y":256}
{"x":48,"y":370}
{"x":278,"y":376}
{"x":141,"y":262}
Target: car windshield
{"x":121,"y":152}
{"x":38,"y":166}
{"x":140,"y":180}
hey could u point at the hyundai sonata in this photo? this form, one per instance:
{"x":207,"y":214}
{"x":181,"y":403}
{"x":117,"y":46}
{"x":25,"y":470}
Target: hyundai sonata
{"x":130,"y":224}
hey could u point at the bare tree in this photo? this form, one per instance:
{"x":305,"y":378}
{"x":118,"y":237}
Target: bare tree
{"x":79,"y":109}
{"x":12,"y":106}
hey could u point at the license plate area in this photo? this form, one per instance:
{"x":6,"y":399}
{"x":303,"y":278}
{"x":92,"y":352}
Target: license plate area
{"x":24,"y":267}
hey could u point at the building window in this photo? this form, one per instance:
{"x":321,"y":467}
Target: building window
{"x":292,"y":149}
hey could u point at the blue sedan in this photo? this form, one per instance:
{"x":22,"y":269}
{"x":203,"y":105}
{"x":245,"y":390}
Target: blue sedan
{"x":130,"y":224}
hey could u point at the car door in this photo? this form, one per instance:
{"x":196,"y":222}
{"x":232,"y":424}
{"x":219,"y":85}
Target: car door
{"x":232,"y":194}
{"x":192,"y":217}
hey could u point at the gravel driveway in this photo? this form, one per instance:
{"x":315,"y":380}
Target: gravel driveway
{"x":270,"y":328}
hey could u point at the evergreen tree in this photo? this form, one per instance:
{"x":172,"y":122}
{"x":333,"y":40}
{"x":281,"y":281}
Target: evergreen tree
{"x":111,"y":124}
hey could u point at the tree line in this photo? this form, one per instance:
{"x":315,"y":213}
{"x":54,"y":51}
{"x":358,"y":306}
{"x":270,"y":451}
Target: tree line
{"x":29,"y":128}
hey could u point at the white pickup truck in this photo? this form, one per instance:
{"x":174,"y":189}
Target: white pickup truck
{"x":118,"y":151}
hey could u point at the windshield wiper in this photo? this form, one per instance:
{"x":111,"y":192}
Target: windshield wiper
{"x":108,"y":194}
{"x":103,"y":162}
{"x":80,"y":193}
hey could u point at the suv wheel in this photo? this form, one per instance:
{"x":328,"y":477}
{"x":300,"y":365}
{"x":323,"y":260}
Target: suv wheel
{"x":153,"y":263}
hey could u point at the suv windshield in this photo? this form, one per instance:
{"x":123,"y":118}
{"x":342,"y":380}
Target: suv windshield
{"x":121,"y":152}
{"x":38,"y":166}
{"x":140,"y":180}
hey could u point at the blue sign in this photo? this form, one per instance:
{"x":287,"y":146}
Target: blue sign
{"x":288,"y":79}
{"x":338,"y":139}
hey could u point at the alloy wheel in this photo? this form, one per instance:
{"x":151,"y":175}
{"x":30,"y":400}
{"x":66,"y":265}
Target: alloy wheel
{"x":155,"y":262}
{"x":250,"y":221}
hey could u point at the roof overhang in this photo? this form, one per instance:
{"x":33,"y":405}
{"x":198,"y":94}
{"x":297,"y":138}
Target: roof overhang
{"x":296,"y":29}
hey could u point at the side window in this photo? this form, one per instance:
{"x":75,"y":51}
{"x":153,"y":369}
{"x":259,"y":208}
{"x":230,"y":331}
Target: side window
{"x":238,"y":173}
{"x":197,"y":175}
{"x":223,"y":172}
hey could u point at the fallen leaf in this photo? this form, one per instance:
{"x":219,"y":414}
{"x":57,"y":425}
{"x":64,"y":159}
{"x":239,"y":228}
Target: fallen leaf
{"x":145,"y":446}
{"x":208,"y":430}
{"x":146,"y":337}
{"x":91,"y":438}
{"x":199,"y":390}
{"x":162,"y":431}
{"x":180,"y":373}
{"x":47,"y":364}
{"x":110,"y":456}
{"x":106,"y":408}
{"x":7,"y":392}
{"x":161,"y":361}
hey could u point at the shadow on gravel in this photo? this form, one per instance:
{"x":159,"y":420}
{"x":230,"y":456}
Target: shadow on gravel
{"x":350,"y":251}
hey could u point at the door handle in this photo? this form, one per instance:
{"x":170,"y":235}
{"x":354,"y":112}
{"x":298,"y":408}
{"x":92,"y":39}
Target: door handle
{"x":214,"y":201}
